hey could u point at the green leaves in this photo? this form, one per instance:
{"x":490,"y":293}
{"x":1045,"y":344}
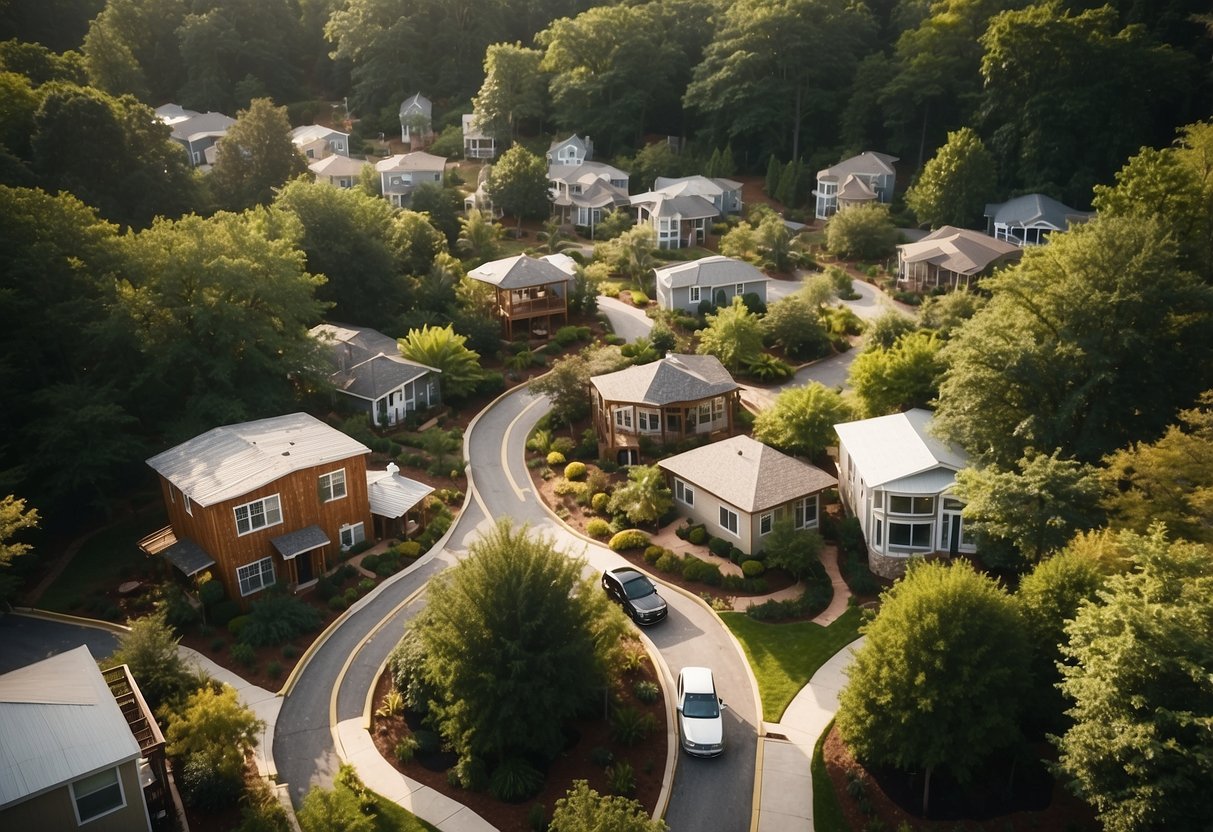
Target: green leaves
{"x":733,"y":334}
{"x":955,"y":185}
{"x":903,"y":376}
{"x":802,"y":419}
{"x":644,"y":498}
{"x":443,"y":349}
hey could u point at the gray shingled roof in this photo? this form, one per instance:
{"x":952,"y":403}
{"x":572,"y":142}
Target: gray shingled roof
{"x":716,"y":270}
{"x":1031,"y":209}
{"x":366,"y":363}
{"x":302,"y":540}
{"x":868,"y":163}
{"x":232,"y":460}
{"x":188,"y":557}
{"x":417,"y":102}
{"x":958,"y":250}
{"x":675,"y":378}
{"x":748,"y":474}
{"x":686,"y":207}
{"x":518,"y":272}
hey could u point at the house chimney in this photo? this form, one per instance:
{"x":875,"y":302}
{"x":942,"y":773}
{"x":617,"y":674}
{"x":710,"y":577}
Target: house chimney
{"x":393,"y":469}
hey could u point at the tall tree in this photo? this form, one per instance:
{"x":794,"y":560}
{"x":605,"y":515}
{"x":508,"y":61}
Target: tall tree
{"x":256,"y":157}
{"x":904,"y":376}
{"x":1138,"y":749}
{"x":518,"y":184}
{"x":132,"y":47}
{"x":755,"y":83}
{"x":1051,"y":128}
{"x":220,"y":309}
{"x":863,"y":232}
{"x":112,"y":153}
{"x":802,"y":419}
{"x":1089,"y":343}
{"x":946,"y":641}
{"x":514,"y":89}
{"x":516,"y":642}
{"x":1022,"y":514}
{"x":733,"y":334}
{"x":955,"y":185}
{"x":347,"y":237}
{"x":1169,"y":481}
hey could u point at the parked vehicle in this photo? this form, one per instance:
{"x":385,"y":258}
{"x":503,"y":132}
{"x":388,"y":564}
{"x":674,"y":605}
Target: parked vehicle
{"x":700,"y":723}
{"x":635,"y":593}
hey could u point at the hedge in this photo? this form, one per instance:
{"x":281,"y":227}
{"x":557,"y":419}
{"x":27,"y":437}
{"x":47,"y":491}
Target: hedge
{"x":598,"y":528}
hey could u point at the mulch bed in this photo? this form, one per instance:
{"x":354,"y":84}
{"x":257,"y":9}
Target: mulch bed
{"x":1036,"y":802}
{"x":646,"y":758}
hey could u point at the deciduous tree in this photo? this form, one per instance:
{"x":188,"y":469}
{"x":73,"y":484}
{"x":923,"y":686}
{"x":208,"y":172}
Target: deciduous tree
{"x":1138,"y":748}
{"x":802,"y":419}
{"x":956,"y":184}
{"x":255,"y":157}
{"x":518,"y":184}
{"x":946,"y":641}
{"x":795,"y":325}
{"x":733,"y":334}
{"x":584,"y":810}
{"x":862,"y":232}
{"x":514,"y":89}
{"x":896,"y":379}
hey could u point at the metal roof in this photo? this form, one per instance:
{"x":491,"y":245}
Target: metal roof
{"x":716,"y":270}
{"x":309,"y":132}
{"x":302,"y":540}
{"x":675,"y":378}
{"x":232,"y":460}
{"x":748,"y":474}
{"x":59,"y":722}
{"x":391,"y":495}
{"x":890,"y":448}
{"x":519,"y":272}
{"x":367,"y":364}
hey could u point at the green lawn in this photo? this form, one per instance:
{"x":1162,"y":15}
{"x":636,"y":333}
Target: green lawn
{"x":785,"y":656}
{"x":391,"y":817}
{"x":107,"y":559}
{"x":827,"y":814}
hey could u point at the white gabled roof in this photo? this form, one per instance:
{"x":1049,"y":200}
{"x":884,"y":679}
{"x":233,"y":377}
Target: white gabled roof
{"x":59,"y":722}
{"x":888,"y":449}
{"x":391,"y":495}
{"x":417,"y":160}
{"x":228,"y":461}
{"x":311,"y":132}
{"x":338,"y":165}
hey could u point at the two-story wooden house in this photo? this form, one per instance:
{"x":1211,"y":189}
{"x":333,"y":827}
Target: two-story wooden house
{"x":664,"y":402}
{"x":263,"y":502}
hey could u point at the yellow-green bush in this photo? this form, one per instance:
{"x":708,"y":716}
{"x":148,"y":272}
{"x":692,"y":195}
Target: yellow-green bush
{"x":555,"y":458}
{"x":629,"y":539}
{"x":599,"y":501}
{"x":574,"y":470}
{"x":752,"y":568}
{"x":598,"y":528}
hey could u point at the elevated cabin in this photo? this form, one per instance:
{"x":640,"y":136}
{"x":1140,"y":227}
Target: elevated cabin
{"x":531,"y":294}
{"x":671,"y":400}
{"x":677,"y":221}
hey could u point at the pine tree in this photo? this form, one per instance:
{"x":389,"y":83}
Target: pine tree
{"x":727,"y":166}
{"x":773,"y":170}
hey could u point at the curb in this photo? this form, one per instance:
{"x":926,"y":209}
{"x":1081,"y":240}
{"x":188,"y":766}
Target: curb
{"x":66,"y":618}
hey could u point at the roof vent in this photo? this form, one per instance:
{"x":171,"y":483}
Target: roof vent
{"x":287,"y":453}
{"x":393,"y":469}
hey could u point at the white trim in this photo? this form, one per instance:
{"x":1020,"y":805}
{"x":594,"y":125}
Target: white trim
{"x":76,"y":798}
{"x":333,"y":477}
{"x":261,"y":567}
{"x":265,"y":513}
{"x":767,"y":519}
{"x":684,"y":493}
{"x":357,"y":534}
{"x":694,"y":295}
{"x":735,"y":531}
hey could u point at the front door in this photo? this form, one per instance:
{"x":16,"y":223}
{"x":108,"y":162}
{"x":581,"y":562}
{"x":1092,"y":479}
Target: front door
{"x":950,"y":532}
{"x":304,"y":564}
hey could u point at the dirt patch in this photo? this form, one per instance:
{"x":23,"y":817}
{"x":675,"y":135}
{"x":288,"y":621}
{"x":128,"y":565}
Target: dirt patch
{"x":576,"y":762}
{"x":1034,"y":802}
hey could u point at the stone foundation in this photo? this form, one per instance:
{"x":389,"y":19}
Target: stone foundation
{"x":887,"y":566}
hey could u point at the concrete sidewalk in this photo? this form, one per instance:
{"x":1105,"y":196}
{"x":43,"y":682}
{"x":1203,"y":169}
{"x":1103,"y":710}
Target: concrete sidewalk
{"x":786,"y":798}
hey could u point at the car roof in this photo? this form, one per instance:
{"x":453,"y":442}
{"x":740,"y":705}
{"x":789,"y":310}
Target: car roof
{"x":697,"y":680}
{"x":626,"y":573}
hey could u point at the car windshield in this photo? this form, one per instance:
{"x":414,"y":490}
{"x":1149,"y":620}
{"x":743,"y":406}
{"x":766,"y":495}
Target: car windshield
{"x":638,"y":587}
{"x":700,"y":706}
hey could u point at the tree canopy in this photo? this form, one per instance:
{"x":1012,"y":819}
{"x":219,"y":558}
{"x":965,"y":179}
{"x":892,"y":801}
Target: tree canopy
{"x":904,"y":376}
{"x":802,"y":419}
{"x":733,"y":334}
{"x":255,"y":157}
{"x":956,"y":184}
{"x":518,"y":184}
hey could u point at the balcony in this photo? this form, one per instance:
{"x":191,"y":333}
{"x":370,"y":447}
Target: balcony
{"x":143,"y":727}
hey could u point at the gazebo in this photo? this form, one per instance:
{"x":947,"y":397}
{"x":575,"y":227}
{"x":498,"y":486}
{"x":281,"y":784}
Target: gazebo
{"x":531,"y":292}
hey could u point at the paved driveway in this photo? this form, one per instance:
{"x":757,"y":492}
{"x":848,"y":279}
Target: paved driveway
{"x":26,"y":639}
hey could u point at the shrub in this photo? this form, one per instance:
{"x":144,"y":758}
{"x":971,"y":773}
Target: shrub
{"x":631,"y":726}
{"x":243,"y":653}
{"x":290,"y":651}
{"x":629,"y":539}
{"x":325,"y":588}
{"x":274,"y":669}
{"x":646,"y":691}
{"x":211,"y":592}
{"x":697,"y":536}
{"x":555,"y":458}
{"x":277,"y":619}
{"x":562,"y":445}
{"x":236,"y":625}
{"x":622,"y":778}
{"x":472,"y":773}
{"x":428,"y":742}
{"x":574,"y":471}
{"x":409,"y":549}
{"x":223,"y":612}
{"x":204,"y":786}
{"x":639,"y":298}
{"x":370,"y":562}
{"x":669,"y":562}
{"x":719,"y":547}
{"x":389,"y":564}
{"x":350,"y":595}
{"x":337,"y":603}
{"x":694,"y":569}
{"x":736,"y":555}
{"x":752,"y":568}
{"x":599,"y":501}
{"x":653,"y":553}
{"x":406,"y":748}
{"x":537,"y":818}
{"x":515,"y":780}
{"x":598,"y":528}
{"x":365,"y":586}
{"x":601,"y":756}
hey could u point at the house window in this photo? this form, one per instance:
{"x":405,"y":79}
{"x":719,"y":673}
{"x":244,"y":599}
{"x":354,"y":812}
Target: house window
{"x":97,"y":795}
{"x":258,"y":515}
{"x":911,"y":505}
{"x":765,"y":522}
{"x":694,"y":298}
{"x":256,"y":576}
{"x":910,"y":535}
{"x":623,"y":418}
{"x":673,"y":422}
{"x":718,"y":408}
{"x":684,"y":493}
{"x":649,"y":421}
{"x":332,"y":486}
{"x":804,"y":512}
{"x":739,"y":289}
{"x":352,"y":535}
{"x":879,"y":530}
{"x":728,"y":520}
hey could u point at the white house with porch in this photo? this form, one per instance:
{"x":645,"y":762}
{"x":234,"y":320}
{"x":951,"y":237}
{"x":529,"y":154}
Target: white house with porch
{"x":678,"y":221}
{"x":895,"y":477}
{"x":866,"y":178}
{"x":477,"y":144}
{"x":583,"y":193}
{"x":1028,"y":220}
{"x":400,"y":175}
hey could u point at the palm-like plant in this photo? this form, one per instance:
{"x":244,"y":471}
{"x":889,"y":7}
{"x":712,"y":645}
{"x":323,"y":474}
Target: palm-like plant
{"x":644,"y":498}
{"x":443,"y":349}
{"x":478,"y":235}
{"x":554,"y":237}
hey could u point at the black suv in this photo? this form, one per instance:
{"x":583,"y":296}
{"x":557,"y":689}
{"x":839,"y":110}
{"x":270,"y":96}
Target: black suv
{"x":635,"y":593}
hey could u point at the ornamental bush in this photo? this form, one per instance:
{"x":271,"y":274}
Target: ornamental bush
{"x":629,"y":539}
{"x":599,"y":501}
{"x":697,"y":536}
{"x":752,"y":568}
{"x":574,"y":470}
{"x":653,"y":553}
{"x":598,"y":528}
{"x":555,"y":458}
{"x":669,"y":562}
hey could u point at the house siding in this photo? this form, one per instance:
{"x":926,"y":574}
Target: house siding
{"x":680,"y":298}
{"x":54,"y":809}
{"x":214,"y":527}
